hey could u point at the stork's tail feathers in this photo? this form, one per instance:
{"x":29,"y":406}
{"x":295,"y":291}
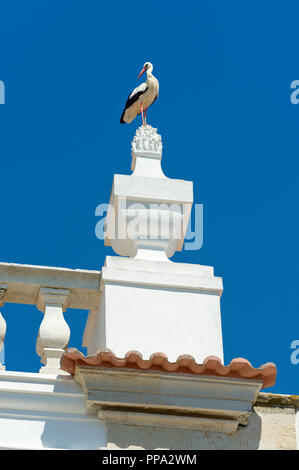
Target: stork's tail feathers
{"x":122,"y":119}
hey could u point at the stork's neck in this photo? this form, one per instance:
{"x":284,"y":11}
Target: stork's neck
{"x":151,"y":79}
{"x":149,"y":72}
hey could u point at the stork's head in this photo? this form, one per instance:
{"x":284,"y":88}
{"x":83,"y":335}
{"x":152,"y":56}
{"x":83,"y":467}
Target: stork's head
{"x":146,"y":66}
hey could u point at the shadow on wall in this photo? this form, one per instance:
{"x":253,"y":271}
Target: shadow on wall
{"x":124,"y":437}
{"x":70,"y":426}
{"x":73,"y":434}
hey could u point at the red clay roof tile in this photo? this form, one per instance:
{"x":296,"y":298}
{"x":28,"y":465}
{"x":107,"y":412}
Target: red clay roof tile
{"x":185,"y":364}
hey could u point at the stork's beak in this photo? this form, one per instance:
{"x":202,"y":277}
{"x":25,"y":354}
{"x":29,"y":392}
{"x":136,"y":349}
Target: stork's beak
{"x":142,"y":71}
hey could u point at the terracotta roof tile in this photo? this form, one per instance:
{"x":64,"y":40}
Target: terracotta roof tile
{"x":186,"y":364}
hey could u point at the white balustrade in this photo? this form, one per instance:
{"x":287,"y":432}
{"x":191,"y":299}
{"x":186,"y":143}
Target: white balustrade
{"x":51,"y":290}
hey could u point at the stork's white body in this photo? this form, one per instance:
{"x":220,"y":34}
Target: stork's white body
{"x":141,"y":97}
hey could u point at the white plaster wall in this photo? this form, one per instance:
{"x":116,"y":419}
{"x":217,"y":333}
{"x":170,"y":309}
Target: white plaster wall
{"x":278,"y":427}
{"x":43,"y":411}
{"x":55,"y":432}
{"x":152,"y":319}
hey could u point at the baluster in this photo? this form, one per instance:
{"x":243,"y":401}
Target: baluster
{"x":54,"y":332}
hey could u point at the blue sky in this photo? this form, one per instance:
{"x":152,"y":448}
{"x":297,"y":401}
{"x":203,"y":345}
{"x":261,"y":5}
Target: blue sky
{"x":227,"y":124}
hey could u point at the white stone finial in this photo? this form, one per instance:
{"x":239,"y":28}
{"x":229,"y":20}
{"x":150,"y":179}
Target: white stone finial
{"x":148,"y":213}
{"x":54,"y":332}
{"x":147,"y":141}
{"x":147,"y":152}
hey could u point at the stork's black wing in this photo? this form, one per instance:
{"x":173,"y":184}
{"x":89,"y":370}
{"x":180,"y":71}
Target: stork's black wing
{"x":132,"y":98}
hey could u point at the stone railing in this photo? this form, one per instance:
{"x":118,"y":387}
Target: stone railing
{"x":52,"y":290}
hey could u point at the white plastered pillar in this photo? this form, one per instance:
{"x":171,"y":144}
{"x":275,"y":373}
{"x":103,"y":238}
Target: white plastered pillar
{"x":149,"y":303}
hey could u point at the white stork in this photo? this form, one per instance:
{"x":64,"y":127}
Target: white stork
{"x":142,"y":97}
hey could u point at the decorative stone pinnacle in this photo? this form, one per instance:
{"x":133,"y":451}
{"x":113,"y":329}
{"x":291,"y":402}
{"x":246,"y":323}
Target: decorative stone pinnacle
{"x":147,"y":153}
{"x":147,"y":142}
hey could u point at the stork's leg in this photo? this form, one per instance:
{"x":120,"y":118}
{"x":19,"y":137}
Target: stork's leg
{"x":141,"y":109}
{"x":145,"y":115}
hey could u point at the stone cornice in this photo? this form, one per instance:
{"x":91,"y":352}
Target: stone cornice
{"x":168,"y":275}
{"x":156,"y":420}
{"x":278,"y":400}
{"x":209,"y":399}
